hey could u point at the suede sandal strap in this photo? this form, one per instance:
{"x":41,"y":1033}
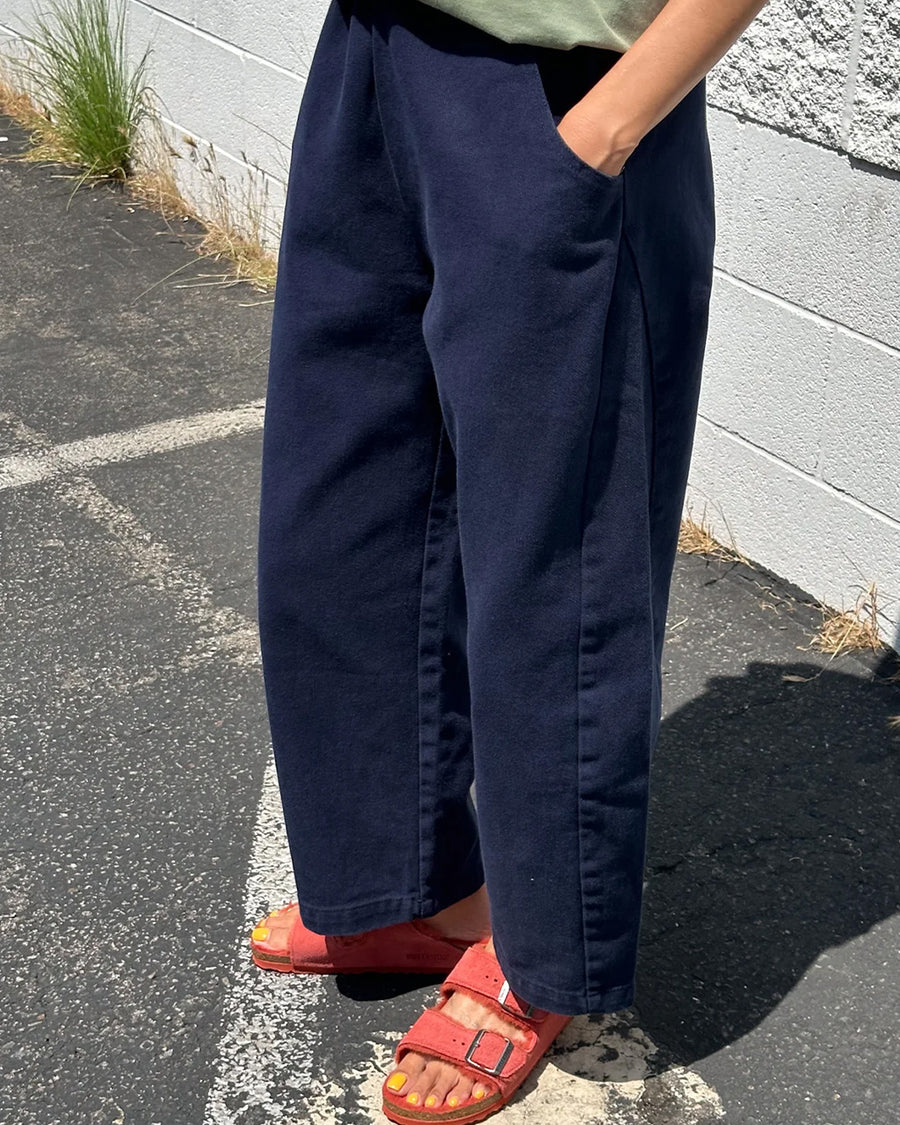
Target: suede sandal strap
{"x":478,"y":1052}
{"x":479,"y":975}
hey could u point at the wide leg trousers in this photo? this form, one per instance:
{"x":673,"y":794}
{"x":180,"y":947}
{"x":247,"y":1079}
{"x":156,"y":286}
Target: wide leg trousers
{"x":484,"y":375}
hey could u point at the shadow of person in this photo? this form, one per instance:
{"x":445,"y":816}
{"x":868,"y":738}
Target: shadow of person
{"x":774,"y":835}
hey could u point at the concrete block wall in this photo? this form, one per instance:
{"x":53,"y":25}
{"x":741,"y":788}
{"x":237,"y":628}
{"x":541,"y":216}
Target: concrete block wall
{"x":16,"y":16}
{"x":798,"y":435}
{"x":798,"y":440}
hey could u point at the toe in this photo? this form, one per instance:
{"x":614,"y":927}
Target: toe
{"x":481,"y":1090}
{"x":459,"y":1092}
{"x":403,"y":1078}
{"x":397,"y":1081}
{"x":436,"y":1079}
{"x":419,"y":1088}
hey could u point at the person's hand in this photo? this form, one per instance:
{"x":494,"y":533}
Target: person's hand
{"x":670,"y":56}
{"x":592,"y":138}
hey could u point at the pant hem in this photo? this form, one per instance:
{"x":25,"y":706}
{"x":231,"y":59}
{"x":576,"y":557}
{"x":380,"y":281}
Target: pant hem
{"x":571,"y":1003}
{"x":332,"y":921}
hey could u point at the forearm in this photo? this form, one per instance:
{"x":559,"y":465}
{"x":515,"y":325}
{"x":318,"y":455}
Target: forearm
{"x":663,"y":64}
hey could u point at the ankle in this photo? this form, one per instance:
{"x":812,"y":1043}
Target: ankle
{"x":470,"y":918}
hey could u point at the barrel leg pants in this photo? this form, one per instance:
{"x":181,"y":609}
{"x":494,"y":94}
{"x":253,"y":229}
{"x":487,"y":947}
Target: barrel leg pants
{"x":484,"y":374}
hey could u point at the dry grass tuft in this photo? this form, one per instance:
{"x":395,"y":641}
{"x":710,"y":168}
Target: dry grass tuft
{"x":21,"y":106}
{"x":153,"y":182}
{"x":234,"y":228}
{"x":696,"y":538}
{"x":851,"y":630}
{"x":45,"y":146}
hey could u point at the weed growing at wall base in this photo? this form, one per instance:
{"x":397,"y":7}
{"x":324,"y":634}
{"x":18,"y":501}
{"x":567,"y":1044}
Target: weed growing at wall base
{"x":95,"y":98}
{"x":851,"y":630}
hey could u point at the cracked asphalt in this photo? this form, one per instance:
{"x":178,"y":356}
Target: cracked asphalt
{"x":140,"y":825}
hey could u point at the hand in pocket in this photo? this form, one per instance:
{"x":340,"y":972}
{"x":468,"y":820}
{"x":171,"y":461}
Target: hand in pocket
{"x":591,"y":143}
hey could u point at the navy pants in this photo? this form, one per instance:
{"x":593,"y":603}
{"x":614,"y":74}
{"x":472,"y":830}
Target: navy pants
{"x":484,"y":374}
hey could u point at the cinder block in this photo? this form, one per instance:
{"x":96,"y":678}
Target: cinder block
{"x":875,"y":124}
{"x":801,"y":222}
{"x":180,"y":9}
{"x":765,"y":372}
{"x":797,"y":526}
{"x":216,"y":93}
{"x":272,"y":100}
{"x":285,"y":35}
{"x":789,"y":68}
{"x":861,"y":435}
{"x":200,"y":84}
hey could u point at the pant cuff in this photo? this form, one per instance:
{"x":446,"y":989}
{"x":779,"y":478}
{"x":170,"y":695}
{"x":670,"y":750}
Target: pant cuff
{"x":572,"y":1003}
{"x":333,"y":921}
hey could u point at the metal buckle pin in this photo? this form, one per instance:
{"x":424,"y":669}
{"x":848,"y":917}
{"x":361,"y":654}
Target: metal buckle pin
{"x":501,"y":1062}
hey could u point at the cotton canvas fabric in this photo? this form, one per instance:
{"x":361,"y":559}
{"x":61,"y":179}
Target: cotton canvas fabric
{"x":484,"y":373}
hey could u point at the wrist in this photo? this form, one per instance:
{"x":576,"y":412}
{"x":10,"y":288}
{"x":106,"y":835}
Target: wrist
{"x":609,"y":118}
{"x":599,"y":137}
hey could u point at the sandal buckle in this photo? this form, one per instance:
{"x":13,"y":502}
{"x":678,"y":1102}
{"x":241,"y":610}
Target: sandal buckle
{"x":501,"y":1000}
{"x":498,"y":1066}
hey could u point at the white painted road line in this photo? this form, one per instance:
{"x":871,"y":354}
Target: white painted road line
{"x":40,"y":464}
{"x":218,"y":630}
{"x":271,"y":1040}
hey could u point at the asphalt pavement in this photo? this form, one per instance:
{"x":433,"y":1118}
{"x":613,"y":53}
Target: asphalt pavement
{"x":141,"y":823}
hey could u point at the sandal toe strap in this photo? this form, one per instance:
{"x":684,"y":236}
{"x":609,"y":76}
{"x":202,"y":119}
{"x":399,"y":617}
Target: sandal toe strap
{"x":480,"y":1053}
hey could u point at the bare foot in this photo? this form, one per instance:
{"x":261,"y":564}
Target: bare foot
{"x":427,"y":1081}
{"x":468,"y":920}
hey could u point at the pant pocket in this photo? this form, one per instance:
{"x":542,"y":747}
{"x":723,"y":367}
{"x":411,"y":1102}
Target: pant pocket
{"x":555,"y":81}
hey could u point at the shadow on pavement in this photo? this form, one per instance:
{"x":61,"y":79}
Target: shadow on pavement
{"x":774,"y":836}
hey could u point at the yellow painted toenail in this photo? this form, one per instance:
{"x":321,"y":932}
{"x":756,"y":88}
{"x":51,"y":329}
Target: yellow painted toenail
{"x":396,"y":1081}
{"x":431,"y":1100}
{"x":260,"y":933}
{"x":479,"y":1094}
{"x":453,"y":1100}
{"x":413,"y":1098}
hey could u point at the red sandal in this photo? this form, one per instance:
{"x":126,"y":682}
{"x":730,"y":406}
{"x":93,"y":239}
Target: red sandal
{"x":487,"y":1056}
{"x":281,"y":942}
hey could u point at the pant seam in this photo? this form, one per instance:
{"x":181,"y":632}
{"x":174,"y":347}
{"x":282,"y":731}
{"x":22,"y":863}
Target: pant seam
{"x":432,"y":537}
{"x":581,"y":616}
{"x":651,"y":474}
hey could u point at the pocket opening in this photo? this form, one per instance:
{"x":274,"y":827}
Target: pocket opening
{"x":560,"y":79}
